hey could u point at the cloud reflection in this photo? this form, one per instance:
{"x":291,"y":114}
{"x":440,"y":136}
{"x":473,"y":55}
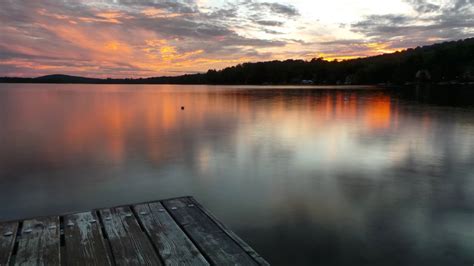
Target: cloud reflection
{"x":362,"y":173}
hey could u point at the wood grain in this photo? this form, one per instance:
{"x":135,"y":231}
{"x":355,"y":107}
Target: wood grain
{"x":230,"y":233}
{"x":85,"y":244}
{"x":177,"y":231}
{"x":8,"y":233}
{"x":39,"y":242}
{"x":172,"y":243}
{"x":218,"y":247}
{"x":130,"y":245}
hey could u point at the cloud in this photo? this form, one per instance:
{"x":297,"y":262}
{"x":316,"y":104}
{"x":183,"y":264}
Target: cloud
{"x":422,"y":6}
{"x":277,"y":8}
{"x":121,"y":38}
{"x":272,"y":23}
{"x":117,"y":38}
{"x":349,"y":49}
{"x":430,"y":23}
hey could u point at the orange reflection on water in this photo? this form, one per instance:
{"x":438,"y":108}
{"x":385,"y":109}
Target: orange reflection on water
{"x":378,"y":113}
{"x":110,"y":122}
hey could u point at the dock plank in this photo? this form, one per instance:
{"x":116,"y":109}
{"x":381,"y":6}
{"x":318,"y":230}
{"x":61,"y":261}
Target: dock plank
{"x":217,"y":246}
{"x":8,"y":233}
{"x":39,"y":242}
{"x":85,"y":244}
{"x":130,"y":245}
{"x":176,"y":231}
{"x":172,"y":243}
{"x":230,"y":233}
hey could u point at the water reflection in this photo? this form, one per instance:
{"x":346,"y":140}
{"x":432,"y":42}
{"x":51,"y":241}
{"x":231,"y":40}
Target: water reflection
{"x":330,"y":176}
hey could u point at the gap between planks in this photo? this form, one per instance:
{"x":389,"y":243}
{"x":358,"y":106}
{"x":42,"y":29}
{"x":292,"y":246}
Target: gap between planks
{"x":158,"y":231}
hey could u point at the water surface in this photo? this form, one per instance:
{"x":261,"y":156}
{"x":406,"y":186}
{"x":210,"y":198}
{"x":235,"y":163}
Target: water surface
{"x":334,"y":176}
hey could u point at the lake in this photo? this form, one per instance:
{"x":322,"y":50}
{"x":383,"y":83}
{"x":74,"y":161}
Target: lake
{"x":322,"y":175}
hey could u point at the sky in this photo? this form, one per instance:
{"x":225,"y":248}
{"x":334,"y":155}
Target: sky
{"x":133,"y":38}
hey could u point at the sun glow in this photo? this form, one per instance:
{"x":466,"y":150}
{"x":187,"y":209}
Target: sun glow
{"x":170,"y":38}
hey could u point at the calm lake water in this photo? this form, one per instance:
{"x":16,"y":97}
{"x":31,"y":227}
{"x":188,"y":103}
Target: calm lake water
{"x":352,"y":176}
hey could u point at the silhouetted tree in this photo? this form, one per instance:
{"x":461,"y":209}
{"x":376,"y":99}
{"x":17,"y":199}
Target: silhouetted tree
{"x":444,"y":62}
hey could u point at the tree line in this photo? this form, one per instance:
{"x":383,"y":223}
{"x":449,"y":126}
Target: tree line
{"x":439,"y":63}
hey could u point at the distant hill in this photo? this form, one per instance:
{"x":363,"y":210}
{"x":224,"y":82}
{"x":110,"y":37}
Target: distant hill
{"x":59,"y":78}
{"x":56,"y":78}
{"x":446,"y":62}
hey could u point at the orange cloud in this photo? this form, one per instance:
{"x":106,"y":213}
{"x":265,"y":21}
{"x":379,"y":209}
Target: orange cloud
{"x":159,"y":13}
{"x":117,"y":47}
{"x":125,"y":39}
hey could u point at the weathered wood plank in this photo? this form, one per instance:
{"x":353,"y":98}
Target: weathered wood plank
{"x":84,"y":242}
{"x":130,"y":245}
{"x":180,"y":230}
{"x":8,"y":233}
{"x":172,"y":243}
{"x":216,"y":245}
{"x":39,"y":242}
{"x":229,"y":232}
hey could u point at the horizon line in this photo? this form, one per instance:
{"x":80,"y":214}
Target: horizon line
{"x":334,"y":60}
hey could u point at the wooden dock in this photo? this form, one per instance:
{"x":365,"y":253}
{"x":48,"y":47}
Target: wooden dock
{"x":176,"y":231}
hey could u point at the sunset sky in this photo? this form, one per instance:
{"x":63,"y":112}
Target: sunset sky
{"x":131,"y":38}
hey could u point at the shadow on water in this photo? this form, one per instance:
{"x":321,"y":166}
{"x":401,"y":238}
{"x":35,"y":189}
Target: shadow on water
{"x":456,"y":96}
